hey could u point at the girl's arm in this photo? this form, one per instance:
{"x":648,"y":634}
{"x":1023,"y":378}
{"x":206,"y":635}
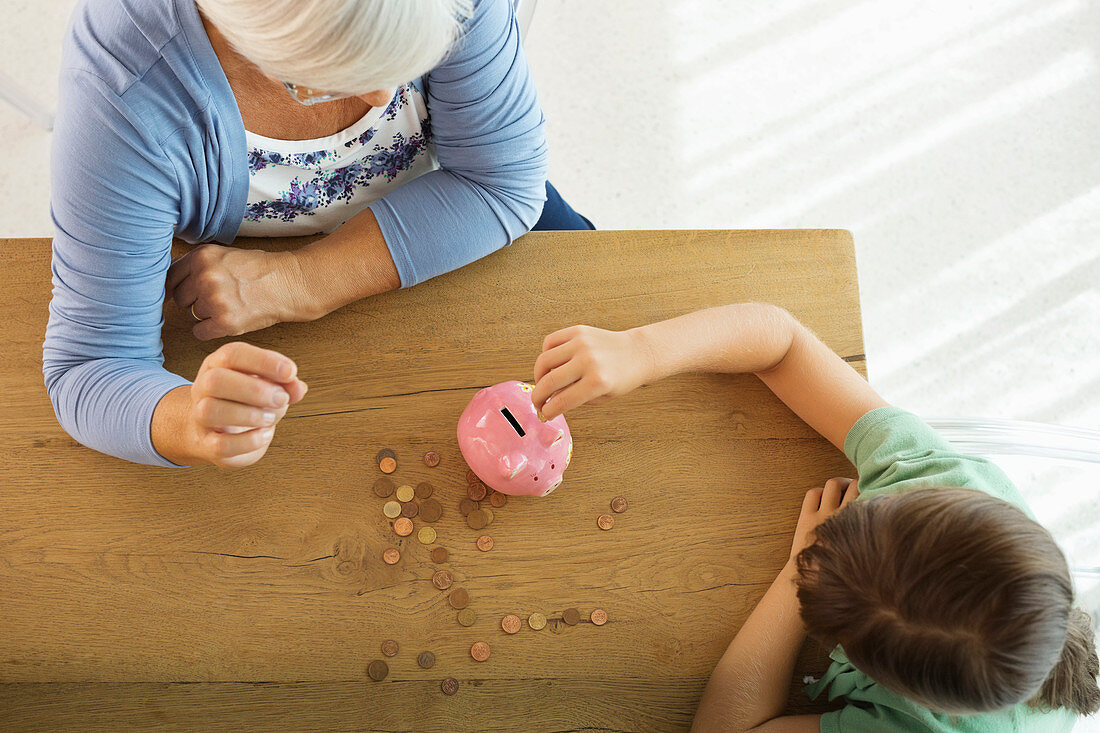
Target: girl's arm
{"x":581,"y":364}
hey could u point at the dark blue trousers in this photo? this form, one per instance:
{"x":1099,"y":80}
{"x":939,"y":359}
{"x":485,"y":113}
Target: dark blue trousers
{"x":558,"y":215}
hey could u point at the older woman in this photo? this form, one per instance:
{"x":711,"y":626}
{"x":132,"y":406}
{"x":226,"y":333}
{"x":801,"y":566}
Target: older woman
{"x":408,"y":131}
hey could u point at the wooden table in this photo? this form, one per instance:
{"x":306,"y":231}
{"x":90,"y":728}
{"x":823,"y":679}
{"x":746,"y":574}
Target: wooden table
{"x":134,"y":597}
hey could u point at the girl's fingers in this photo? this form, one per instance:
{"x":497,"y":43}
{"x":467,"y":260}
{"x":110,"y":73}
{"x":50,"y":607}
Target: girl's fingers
{"x":833,"y":493}
{"x":850,"y":494}
{"x":216,"y":413}
{"x":572,"y":396}
{"x":555,"y":381}
{"x":553,"y":359}
{"x":812,"y":501}
{"x":227,"y":384}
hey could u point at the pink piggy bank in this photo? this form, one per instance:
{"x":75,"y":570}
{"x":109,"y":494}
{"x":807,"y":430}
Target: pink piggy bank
{"x":508,"y":447}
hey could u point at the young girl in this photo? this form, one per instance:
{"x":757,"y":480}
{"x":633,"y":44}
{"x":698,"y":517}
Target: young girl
{"x":950,"y":608}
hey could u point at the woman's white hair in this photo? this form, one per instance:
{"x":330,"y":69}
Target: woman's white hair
{"x":345,"y":46}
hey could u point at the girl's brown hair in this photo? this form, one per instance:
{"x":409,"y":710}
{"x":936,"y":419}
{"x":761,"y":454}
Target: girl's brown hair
{"x":952,"y":598}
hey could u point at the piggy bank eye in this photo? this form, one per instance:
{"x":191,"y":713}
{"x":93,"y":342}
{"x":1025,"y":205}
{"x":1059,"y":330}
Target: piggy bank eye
{"x":512,"y":421}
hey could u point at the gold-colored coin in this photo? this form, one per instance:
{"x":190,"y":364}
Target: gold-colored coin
{"x":536,"y":621}
{"x":405,"y":493}
{"x":511,"y":623}
{"x":388,"y":465}
{"x":391,"y":509}
{"x":599,"y":617}
{"x":426,"y":535}
{"x":489,"y":516}
{"x":467,"y":617}
{"x":605,"y":521}
{"x":403,"y":526}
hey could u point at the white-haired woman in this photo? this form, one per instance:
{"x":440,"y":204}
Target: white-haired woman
{"x":407,"y":131}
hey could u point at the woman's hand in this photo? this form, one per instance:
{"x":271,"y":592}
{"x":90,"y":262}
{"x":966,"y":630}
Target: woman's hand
{"x":239,"y":395}
{"x":233,"y":291}
{"x":819,"y":505}
{"x":581,"y":365}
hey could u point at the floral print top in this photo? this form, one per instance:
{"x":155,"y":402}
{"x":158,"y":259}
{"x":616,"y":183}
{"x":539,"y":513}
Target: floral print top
{"x":301,"y":187}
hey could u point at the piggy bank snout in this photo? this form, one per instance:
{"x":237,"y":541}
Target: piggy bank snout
{"x":549,"y":435}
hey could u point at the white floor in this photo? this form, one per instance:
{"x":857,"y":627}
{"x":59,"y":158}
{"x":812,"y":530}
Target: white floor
{"x":956,"y":140}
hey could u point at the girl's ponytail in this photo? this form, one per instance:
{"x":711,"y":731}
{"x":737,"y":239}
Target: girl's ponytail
{"x":1072,"y":682}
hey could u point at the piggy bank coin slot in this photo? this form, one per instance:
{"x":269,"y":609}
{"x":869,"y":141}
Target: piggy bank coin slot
{"x":513,"y":421}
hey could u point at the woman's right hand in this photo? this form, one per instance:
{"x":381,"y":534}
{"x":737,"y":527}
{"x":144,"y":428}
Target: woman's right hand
{"x":240,"y":394}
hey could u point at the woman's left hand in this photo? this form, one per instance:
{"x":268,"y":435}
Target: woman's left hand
{"x":234,"y":291}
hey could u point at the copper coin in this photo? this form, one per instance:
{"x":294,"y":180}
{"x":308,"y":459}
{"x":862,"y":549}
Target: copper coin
{"x":511,"y":623}
{"x":383,"y":454}
{"x":439,"y":554}
{"x":391,"y":556}
{"x":489,"y":516}
{"x":476,"y":491}
{"x":605,"y":521}
{"x":410,"y":509}
{"x":471,"y":477}
{"x":405,"y":493}
{"x":426,"y":660}
{"x":477,"y":519}
{"x":498,"y":499}
{"x":479,"y":651}
{"x":467,"y":617}
{"x":383,"y":487}
{"x":442,"y":579}
{"x":571,"y":616}
{"x":403,"y":526}
{"x":389,"y":648}
{"x":449,"y":686}
{"x":431,"y":510}
{"x":388,"y":465}
{"x":466,"y":506}
{"x":599,"y":617}
{"x":423,"y":490}
{"x":484,"y":543}
{"x":459,"y":599}
{"x":431,"y":459}
{"x":377,"y":670}
{"x":618,"y":504}
{"x":536,"y":621}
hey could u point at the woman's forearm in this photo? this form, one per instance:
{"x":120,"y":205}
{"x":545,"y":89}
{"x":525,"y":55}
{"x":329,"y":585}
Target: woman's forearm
{"x":749,"y":685}
{"x":350,"y":264}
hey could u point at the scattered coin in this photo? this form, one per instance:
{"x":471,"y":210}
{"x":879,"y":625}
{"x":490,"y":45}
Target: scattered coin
{"x":403,"y":526}
{"x":431,"y":459}
{"x":392,"y":509}
{"x":383,"y":487}
{"x":618,"y":504}
{"x":477,"y":519}
{"x":476,"y":491}
{"x":405,"y":493}
{"x":489,"y":516}
{"x":511,"y":623}
{"x":571,"y":616}
{"x":439,"y":554}
{"x":391,"y":556}
{"x":426,"y":535}
{"x":383,"y":454}
{"x":389,"y":648}
{"x":536,"y":621}
{"x":605,"y":521}
{"x":424,"y":490}
{"x":431,"y":510}
{"x":459,"y":599}
{"x":410,"y":509}
{"x":471,"y":477}
{"x":388,"y":465}
{"x":484,"y":543}
{"x":467,"y":617}
{"x":442,"y":579}
{"x":479,"y":651}
{"x":377,"y":670}
{"x":449,"y":686}
{"x":599,"y":617}
{"x":426,"y":660}
{"x":498,"y":499}
{"x":466,"y":506}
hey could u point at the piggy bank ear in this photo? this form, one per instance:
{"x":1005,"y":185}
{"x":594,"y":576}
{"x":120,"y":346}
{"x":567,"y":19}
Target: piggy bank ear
{"x":550,"y":435}
{"x":511,"y":464}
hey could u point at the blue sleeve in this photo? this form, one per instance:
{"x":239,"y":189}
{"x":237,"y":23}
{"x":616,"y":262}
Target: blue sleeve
{"x":114,"y":203}
{"x":489,"y":139}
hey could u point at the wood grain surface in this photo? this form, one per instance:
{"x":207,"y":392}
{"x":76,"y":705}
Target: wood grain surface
{"x":136,"y":597}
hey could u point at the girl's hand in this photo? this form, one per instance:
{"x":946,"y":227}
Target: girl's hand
{"x":819,"y":505}
{"x":231,"y":291}
{"x":240,"y":393}
{"x":584,"y":365}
